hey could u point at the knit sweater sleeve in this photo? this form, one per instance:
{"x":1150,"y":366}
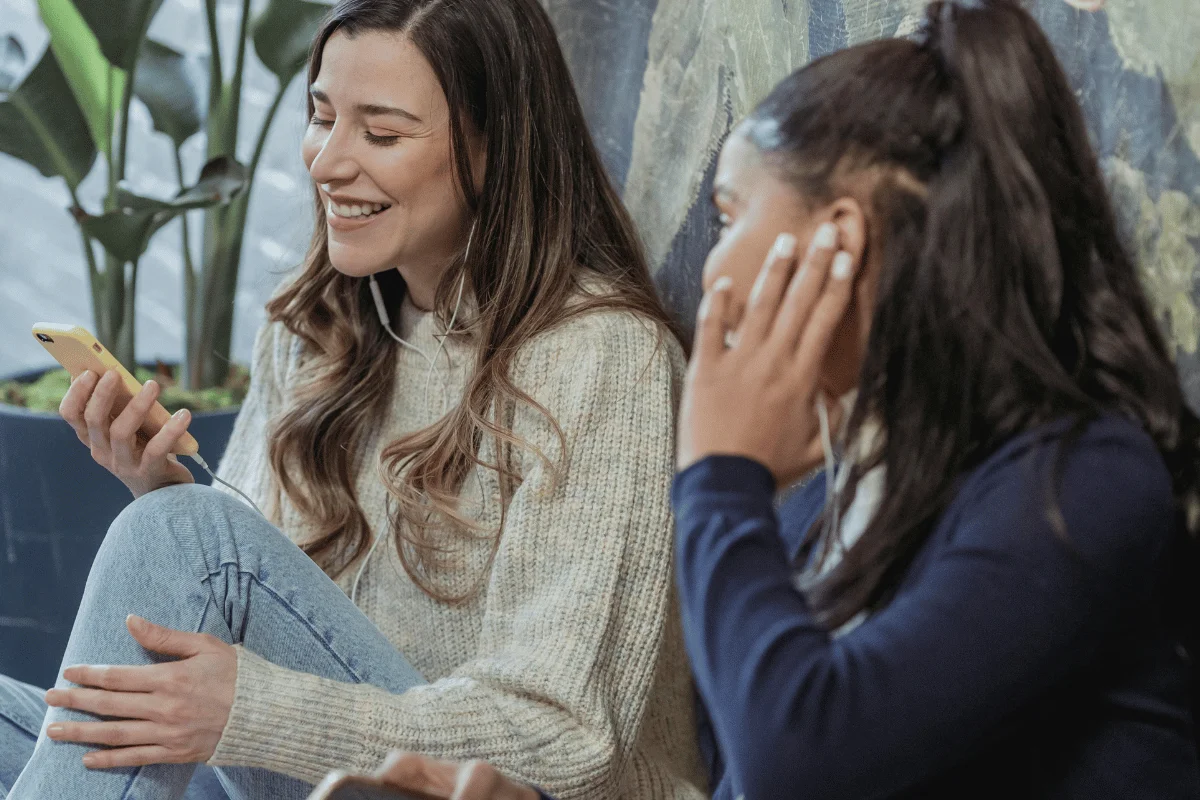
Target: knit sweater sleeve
{"x":244,"y":463}
{"x":576,"y":604}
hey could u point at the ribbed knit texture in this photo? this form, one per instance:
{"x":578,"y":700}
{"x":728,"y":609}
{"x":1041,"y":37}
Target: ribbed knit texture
{"x":567,"y":670}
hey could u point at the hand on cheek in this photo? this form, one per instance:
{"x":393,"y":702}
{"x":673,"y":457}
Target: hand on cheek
{"x":755,"y":397}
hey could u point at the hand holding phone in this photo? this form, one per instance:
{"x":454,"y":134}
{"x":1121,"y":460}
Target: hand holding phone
{"x":127,"y":430}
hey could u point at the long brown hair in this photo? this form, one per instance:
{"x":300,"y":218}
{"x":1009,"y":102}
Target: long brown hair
{"x":549,"y":227}
{"x":1006,"y":300}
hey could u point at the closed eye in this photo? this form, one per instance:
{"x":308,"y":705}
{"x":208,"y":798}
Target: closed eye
{"x":382,"y":141}
{"x":316,"y":120}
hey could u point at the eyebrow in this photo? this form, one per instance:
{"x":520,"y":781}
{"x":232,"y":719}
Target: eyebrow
{"x":368,"y":109}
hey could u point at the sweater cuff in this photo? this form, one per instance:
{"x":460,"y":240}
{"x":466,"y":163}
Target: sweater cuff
{"x":729,"y":476}
{"x":273,"y":729}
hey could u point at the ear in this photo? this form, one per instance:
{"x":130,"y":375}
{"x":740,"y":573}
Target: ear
{"x":847,"y":214}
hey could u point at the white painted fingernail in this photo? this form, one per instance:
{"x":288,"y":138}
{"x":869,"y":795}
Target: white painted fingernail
{"x":826,"y":236}
{"x":722,"y":283}
{"x":843,"y":265}
{"x":785,"y":245}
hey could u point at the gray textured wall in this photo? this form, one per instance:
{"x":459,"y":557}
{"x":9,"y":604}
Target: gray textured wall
{"x":662,"y":83}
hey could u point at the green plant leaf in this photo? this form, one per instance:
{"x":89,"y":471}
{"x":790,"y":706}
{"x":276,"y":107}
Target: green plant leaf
{"x":119,"y":27}
{"x":163,"y":84}
{"x":90,"y":75}
{"x":220,"y":181}
{"x":12,"y":63}
{"x":123,"y":233}
{"x":283,"y":34}
{"x":41,"y":124}
{"x":126,"y":232}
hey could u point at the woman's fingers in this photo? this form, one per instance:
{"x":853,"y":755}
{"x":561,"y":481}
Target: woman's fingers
{"x":138,"y":756}
{"x":119,"y":678}
{"x":829,"y":311}
{"x":114,"y":733}
{"x":768,"y":290}
{"x":97,"y":415}
{"x":804,"y":290}
{"x":103,"y":703}
{"x":167,"y":437}
{"x":711,"y":321}
{"x":75,"y":401}
{"x":124,"y":429}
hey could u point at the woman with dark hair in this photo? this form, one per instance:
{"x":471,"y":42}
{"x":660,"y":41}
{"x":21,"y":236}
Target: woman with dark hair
{"x":460,"y":430}
{"x":990,"y":593}
{"x":987,"y":594}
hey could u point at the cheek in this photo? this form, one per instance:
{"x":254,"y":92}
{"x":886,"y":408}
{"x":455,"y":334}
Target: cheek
{"x":736,"y":256}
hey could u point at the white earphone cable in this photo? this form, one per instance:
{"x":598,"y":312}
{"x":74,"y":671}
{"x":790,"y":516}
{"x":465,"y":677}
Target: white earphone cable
{"x":381,"y":310}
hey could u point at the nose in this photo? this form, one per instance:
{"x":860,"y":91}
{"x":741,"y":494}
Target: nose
{"x":334,"y":162}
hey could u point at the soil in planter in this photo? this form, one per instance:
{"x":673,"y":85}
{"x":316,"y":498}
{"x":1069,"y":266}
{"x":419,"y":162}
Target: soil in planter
{"x":47,"y":392}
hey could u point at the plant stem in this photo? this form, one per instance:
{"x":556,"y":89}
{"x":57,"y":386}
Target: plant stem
{"x":110,"y":198}
{"x":189,"y":286}
{"x":94,"y":277}
{"x":123,"y":132}
{"x":126,"y":352}
{"x":262,"y":138}
{"x":215,"y":77}
{"x":239,"y":68}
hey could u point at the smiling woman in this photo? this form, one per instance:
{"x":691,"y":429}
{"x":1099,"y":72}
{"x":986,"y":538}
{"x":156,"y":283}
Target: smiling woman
{"x":476,"y":566}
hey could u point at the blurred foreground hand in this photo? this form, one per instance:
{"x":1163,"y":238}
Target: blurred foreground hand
{"x":465,"y":780}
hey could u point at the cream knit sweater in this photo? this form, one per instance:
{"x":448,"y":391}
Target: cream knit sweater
{"x":568,"y":669}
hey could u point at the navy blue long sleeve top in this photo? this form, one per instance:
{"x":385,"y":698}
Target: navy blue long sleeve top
{"x":1012,"y":663}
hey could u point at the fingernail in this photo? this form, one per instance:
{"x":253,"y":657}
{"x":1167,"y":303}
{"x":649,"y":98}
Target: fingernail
{"x":826,"y":236}
{"x":89,"y":760}
{"x":705,"y":305}
{"x":180,"y":414}
{"x":54,"y":730}
{"x":722,"y":283}
{"x":785,"y":245}
{"x":843,"y":265}
{"x":150,"y":383}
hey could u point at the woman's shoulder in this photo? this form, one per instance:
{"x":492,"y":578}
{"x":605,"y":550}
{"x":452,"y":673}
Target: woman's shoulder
{"x":1111,"y":489}
{"x":601,"y":340}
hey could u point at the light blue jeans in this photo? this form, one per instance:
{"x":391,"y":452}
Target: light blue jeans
{"x":194,"y":559}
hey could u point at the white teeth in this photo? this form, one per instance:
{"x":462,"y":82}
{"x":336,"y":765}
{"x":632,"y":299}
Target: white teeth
{"x":352,"y":211}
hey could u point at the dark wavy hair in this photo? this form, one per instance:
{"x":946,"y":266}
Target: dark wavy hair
{"x":551,"y":228}
{"x":1006,"y":299}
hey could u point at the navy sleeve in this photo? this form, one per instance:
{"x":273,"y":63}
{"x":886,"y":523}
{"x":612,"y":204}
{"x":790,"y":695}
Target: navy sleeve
{"x":1004,"y":610}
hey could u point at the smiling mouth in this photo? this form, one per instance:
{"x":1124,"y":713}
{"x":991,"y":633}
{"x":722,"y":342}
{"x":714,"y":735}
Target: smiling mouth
{"x":355,"y":210}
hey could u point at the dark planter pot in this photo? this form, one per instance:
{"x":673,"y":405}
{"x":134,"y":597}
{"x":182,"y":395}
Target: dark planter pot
{"x":56,"y":504}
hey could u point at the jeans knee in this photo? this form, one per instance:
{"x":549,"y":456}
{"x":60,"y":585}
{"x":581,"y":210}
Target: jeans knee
{"x":182,"y":515}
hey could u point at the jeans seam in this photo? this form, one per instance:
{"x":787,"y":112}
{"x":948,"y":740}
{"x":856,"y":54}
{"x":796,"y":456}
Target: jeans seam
{"x":19,"y":725}
{"x":295,"y":614}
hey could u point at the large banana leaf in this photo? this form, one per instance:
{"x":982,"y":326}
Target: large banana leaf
{"x":119,"y":26}
{"x":41,"y":122}
{"x":126,"y":231}
{"x":283,"y":34}
{"x":163,"y":84}
{"x":97,"y":84}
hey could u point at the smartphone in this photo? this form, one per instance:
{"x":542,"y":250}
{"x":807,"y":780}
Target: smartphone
{"x":77,"y":350}
{"x":340,"y":786}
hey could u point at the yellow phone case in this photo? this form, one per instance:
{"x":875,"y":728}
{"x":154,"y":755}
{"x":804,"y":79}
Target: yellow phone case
{"x":76,"y":349}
